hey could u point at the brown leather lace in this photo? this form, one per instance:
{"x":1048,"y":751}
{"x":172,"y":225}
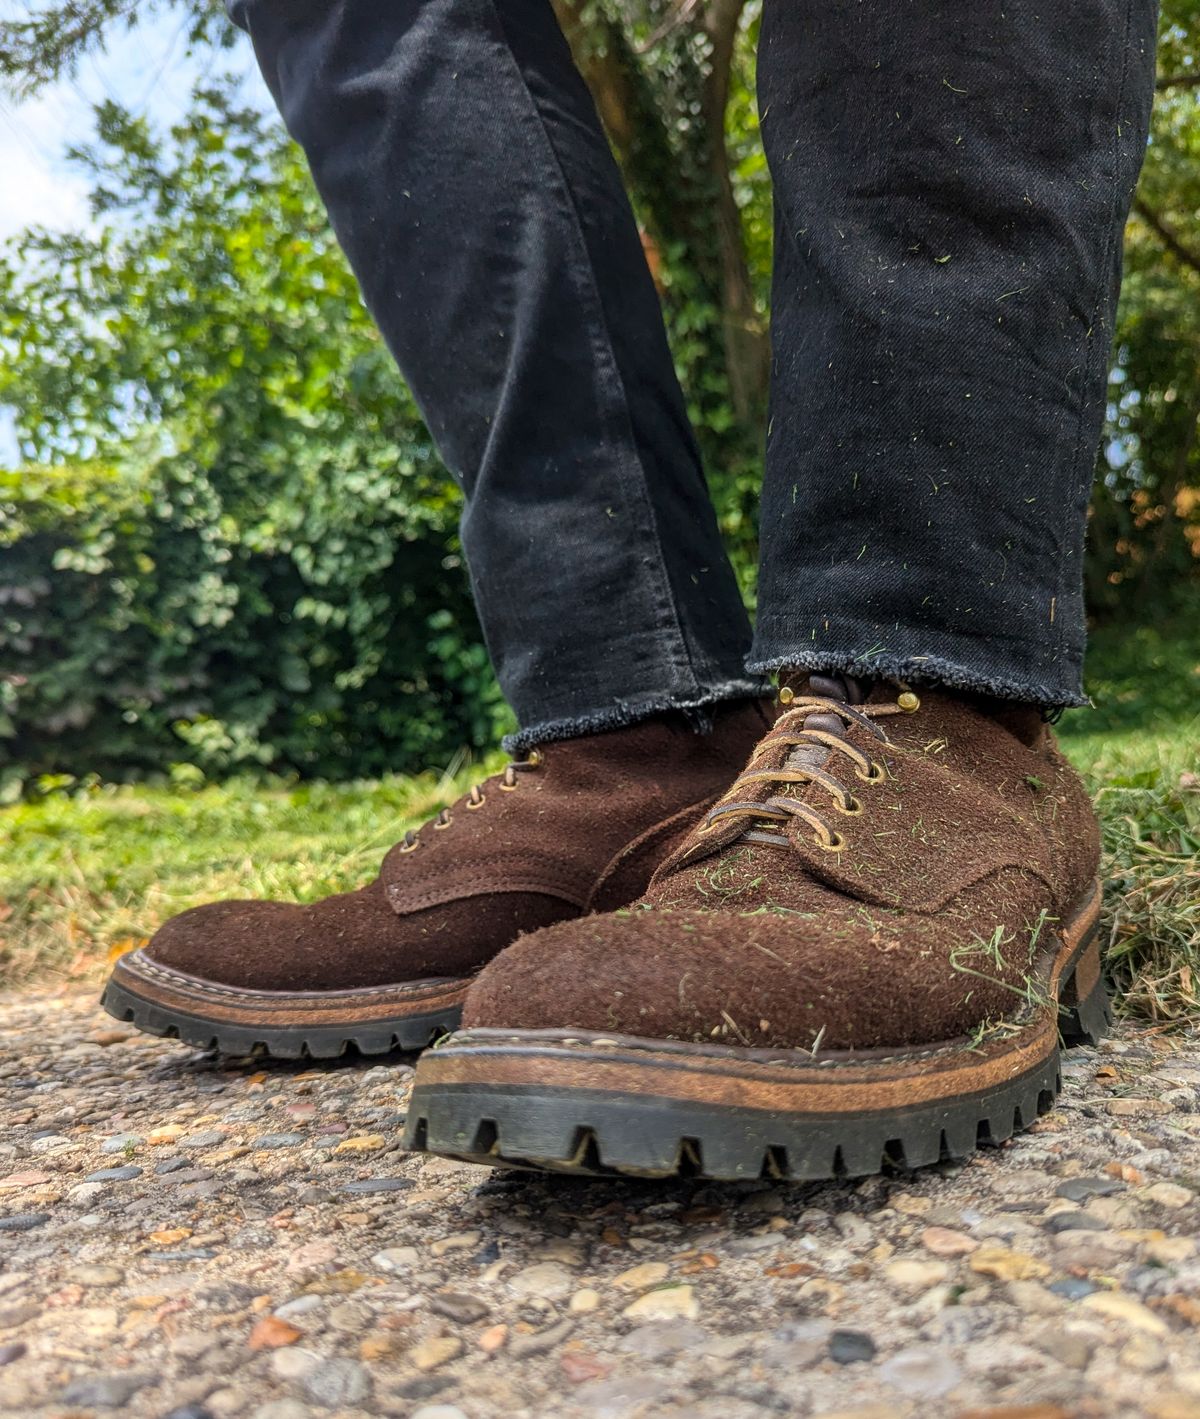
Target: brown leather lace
{"x":806,"y":727}
{"x":474,"y":800}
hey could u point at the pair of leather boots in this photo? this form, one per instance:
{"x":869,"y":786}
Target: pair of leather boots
{"x":848,"y":931}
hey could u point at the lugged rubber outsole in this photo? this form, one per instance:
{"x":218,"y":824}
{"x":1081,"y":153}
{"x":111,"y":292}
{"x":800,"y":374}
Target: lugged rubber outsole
{"x":582,"y":1103}
{"x":262,"y":1032}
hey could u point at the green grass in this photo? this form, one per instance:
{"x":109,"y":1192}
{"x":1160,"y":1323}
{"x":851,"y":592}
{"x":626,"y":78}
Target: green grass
{"x":84,"y":871}
{"x":1139,"y":751}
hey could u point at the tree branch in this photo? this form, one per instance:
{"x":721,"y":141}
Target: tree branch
{"x":1179,"y":81}
{"x":1163,"y":231}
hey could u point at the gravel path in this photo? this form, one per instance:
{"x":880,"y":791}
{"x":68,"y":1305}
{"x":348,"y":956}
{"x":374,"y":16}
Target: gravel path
{"x":187,"y":1237}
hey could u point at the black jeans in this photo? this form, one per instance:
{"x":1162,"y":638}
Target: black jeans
{"x":951,"y":183}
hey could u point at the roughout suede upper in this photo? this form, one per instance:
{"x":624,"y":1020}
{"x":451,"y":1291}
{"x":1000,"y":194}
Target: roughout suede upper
{"x":584,"y":829}
{"x":974,"y":843}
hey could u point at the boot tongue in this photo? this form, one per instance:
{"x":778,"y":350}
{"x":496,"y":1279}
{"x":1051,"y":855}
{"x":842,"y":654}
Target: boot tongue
{"x":843,"y":688}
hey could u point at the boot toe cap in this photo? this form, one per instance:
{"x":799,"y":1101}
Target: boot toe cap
{"x":233,"y":943}
{"x":760,"y":980}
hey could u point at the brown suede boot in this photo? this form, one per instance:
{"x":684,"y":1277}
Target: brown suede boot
{"x":578,"y":826}
{"x":859,"y":955}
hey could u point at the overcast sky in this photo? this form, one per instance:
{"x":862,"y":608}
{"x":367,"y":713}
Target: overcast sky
{"x":147,"y":70}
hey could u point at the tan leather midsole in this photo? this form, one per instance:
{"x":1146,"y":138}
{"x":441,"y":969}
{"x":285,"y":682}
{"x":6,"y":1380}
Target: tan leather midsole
{"x":173,"y":990}
{"x":834,"y":1083}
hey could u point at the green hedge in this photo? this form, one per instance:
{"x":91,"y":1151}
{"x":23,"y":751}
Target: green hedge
{"x":232,"y":544}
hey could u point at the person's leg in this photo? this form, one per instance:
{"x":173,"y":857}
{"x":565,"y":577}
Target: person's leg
{"x":951,"y":184}
{"x":862,"y":952}
{"x":468,"y":179}
{"x":470,"y":184}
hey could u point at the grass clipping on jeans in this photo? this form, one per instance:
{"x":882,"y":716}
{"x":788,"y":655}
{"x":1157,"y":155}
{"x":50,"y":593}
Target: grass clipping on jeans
{"x":1151,"y":919}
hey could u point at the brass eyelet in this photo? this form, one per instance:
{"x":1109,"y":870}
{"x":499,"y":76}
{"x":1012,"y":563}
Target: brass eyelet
{"x":441,"y":824}
{"x":412,"y":846}
{"x":875,"y":774}
{"x":508,"y":788}
{"x":533,"y":758}
{"x":855,"y":808}
{"x":835,"y":844}
{"x":474,"y":803}
{"x":786,"y":694}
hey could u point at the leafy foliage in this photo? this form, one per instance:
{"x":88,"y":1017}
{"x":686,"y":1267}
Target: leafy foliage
{"x":231,"y":541}
{"x":1145,"y":533}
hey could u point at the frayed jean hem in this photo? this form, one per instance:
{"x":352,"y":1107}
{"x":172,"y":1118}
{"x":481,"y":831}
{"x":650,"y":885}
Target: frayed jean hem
{"x":928,"y":670}
{"x":622,"y":713}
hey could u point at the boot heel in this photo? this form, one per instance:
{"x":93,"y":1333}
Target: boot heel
{"x":1084,"y":1012}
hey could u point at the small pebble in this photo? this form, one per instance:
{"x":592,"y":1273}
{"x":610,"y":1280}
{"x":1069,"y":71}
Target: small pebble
{"x":396,"y":1259}
{"x":1170,"y":1195}
{"x":668,"y":1303}
{"x":23,"y":1221}
{"x":337,"y":1384}
{"x":1080,"y":1189}
{"x":369,"y":1185}
{"x":1071,"y":1288}
{"x":548,"y":1281}
{"x":281,"y":1409}
{"x":926,"y":1371}
{"x":1115,"y":1306}
{"x":457,"y":1306}
{"x":105,"y":1391}
{"x":362,"y":1143}
{"x":294,"y":1364}
{"x":1073,"y":1222}
{"x":120,"y":1143}
{"x":912,"y":1275}
{"x":95,"y":1276}
{"x":439,"y":1350}
{"x":210,"y":1139}
{"x":944,"y":1241}
{"x":541,"y":1341}
{"x":640,"y":1278}
{"x":849,"y":1347}
{"x":456,"y":1241}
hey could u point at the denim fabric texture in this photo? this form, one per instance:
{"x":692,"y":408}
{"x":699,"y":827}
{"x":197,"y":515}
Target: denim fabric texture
{"x":951,"y":182}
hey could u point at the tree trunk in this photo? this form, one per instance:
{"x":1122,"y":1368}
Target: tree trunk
{"x":694,"y":209}
{"x":747,"y":350}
